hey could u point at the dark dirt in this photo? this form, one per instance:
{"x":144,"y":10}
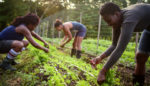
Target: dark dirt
{"x":123,"y":72}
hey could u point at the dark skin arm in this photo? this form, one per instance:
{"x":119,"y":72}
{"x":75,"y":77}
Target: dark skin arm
{"x":25,"y":31}
{"x":67,"y":35}
{"x":39,"y":38}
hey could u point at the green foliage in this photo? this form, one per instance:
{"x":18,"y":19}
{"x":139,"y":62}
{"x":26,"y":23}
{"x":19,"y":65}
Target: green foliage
{"x":90,"y":46}
{"x":82,"y":83}
{"x":57,"y":69}
{"x":11,"y":9}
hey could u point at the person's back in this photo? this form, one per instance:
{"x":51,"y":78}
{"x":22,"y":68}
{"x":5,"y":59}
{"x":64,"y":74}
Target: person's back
{"x":9,"y":33}
{"x":138,"y":13}
{"x":77,"y":25}
{"x":124,"y":23}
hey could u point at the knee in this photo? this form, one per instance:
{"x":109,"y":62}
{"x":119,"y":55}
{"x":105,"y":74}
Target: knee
{"x":26,"y":43}
{"x":138,"y":55}
{"x":18,"y":44}
{"x":74,"y":43}
{"x":138,"y":58}
{"x":141,"y":58}
{"x":78,"y":45}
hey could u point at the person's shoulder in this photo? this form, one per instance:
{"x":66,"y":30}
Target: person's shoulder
{"x":131,"y":14}
{"x":135,"y":13}
{"x":137,"y":7}
{"x":21,"y":28}
{"x":66,"y":24}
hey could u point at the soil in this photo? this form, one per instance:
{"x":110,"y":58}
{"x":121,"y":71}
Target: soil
{"x":123,"y":72}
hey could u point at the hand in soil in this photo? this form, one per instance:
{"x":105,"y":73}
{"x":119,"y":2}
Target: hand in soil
{"x":101,"y":77}
{"x":62,"y":45}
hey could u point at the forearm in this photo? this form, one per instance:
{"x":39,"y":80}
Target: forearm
{"x":100,"y":58}
{"x":37,"y":37}
{"x":109,"y":50}
{"x":67,"y":41}
{"x":124,"y":39}
{"x":115,"y":37}
{"x":36,"y":45}
{"x":103,"y":56}
{"x":62,"y":41}
{"x":113,"y":58}
{"x":68,"y":35}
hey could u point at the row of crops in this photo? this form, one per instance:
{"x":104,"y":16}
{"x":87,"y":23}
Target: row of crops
{"x":56,"y":68}
{"x":90,"y":46}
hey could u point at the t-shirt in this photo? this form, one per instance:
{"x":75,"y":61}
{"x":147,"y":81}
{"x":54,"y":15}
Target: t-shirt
{"x":135,"y":18}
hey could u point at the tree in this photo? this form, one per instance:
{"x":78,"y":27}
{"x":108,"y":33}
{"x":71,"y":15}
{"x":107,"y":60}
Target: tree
{"x":9,"y":10}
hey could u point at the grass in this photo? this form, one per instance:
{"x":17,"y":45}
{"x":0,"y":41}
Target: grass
{"x":56,"y":68}
{"x":90,"y":46}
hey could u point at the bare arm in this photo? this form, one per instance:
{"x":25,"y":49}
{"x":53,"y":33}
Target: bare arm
{"x":67,"y":35}
{"x":37,"y":37}
{"x":23,"y":30}
{"x":64,"y":39}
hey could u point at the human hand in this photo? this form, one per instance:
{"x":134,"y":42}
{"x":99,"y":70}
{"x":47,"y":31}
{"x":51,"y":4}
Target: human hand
{"x":46,"y":45}
{"x":101,"y":76}
{"x":62,"y":45}
{"x":46,"y":50}
{"x":95,"y":61}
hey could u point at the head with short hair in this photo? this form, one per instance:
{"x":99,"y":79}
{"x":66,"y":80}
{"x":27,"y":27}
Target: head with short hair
{"x":58,"y":24}
{"x":109,"y":8}
{"x":110,"y":13}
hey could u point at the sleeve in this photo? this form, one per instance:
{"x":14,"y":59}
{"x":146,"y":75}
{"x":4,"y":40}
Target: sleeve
{"x":125,"y":36}
{"x":115,"y":36}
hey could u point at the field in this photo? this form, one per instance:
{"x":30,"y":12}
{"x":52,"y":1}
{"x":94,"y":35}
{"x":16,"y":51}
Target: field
{"x":51,"y":20}
{"x":89,"y":46}
{"x":53,"y":69}
{"x":57,"y":68}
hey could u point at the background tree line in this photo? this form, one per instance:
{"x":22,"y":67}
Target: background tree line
{"x":72,"y":10}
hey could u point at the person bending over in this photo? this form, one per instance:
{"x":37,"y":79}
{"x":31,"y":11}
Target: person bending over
{"x":124,"y":22}
{"x":67,"y":27}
